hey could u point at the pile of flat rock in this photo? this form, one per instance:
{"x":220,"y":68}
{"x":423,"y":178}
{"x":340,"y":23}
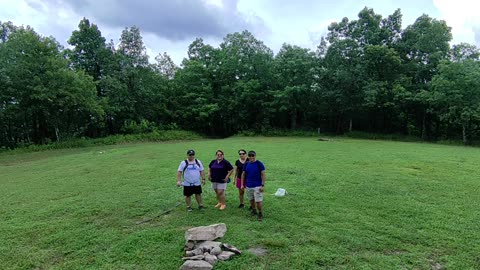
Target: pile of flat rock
{"x":202,"y":252}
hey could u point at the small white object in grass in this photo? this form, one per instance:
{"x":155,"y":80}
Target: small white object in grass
{"x":280,"y":192}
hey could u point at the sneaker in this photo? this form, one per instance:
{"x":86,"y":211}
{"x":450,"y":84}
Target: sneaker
{"x":241,"y":206}
{"x":260,"y":216}
{"x":223,"y":206}
{"x":201,"y":207}
{"x":189,"y":209}
{"x":253,"y":212}
{"x":218,"y":205}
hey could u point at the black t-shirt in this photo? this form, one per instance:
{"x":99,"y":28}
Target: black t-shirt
{"x":239,"y":166}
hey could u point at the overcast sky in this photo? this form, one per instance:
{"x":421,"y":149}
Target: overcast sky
{"x":171,"y":25}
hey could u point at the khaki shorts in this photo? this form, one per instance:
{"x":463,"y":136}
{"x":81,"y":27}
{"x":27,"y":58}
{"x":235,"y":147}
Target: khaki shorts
{"x":216,"y":185}
{"x":254,"y":194}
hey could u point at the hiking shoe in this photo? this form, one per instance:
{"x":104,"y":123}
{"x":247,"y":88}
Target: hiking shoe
{"x":241,"y":206}
{"x":189,"y":209}
{"x":253,"y":212}
{"x":218,"y":205}
{"x":260,"y":216}
{"x":201,"y":207}
{"x":223,"y":206}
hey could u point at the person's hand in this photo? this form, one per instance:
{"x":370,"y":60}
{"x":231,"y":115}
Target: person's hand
{"x":225,"y":180}
{"x":203,"y":182}
{"x":261,"y":189}
{"x":179,"y":183}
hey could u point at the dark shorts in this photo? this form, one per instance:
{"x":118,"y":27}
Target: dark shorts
{"x":190,"y":190}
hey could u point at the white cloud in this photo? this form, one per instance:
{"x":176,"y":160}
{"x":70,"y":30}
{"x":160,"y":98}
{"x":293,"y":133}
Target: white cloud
{"x":462,"y":16}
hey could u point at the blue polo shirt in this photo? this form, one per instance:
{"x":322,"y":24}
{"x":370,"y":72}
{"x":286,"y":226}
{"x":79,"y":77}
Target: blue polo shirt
{"x":253,"y":173}
{"x":218,"y":171}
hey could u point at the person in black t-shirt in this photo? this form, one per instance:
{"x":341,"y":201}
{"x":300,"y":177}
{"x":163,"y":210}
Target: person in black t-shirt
{"x":238,"y":176}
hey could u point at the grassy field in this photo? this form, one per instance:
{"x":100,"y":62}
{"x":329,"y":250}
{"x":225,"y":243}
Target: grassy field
{"x":351,"y":204}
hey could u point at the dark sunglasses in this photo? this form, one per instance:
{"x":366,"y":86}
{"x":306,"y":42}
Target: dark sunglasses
{"x":251,"y":155}
{"x":191,"y":154}
{"x":241,"y":153}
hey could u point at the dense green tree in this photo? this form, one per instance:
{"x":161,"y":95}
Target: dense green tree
{"x":293,"y":71}
{"x":45,"y":97}
{"x":367,"y":74}
{"x":456,"y":92}
{"x":245,"y":65}
{"x":423,"y":45}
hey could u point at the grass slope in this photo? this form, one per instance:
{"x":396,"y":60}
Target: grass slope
{"x":351,"y":204}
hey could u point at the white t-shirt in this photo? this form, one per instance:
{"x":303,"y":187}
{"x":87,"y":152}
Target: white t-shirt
{"x":191,"y":176}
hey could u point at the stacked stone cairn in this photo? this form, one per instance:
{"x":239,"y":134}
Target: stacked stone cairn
{"x":202,"y":252}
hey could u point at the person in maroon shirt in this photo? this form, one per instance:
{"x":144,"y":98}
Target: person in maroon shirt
{"x":219,"y":171}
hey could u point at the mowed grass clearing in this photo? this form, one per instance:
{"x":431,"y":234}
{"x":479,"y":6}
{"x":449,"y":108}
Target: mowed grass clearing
{"x":351,"y":204}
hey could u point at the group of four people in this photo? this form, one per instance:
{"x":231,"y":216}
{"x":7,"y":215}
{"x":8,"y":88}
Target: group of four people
{"x":249,"y":175}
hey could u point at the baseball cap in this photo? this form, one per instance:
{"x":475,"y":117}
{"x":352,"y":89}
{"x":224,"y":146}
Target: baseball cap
{"x":190,"y":152}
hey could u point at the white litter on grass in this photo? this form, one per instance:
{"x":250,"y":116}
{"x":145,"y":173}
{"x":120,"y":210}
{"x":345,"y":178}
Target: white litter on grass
{"x":280,"y":192}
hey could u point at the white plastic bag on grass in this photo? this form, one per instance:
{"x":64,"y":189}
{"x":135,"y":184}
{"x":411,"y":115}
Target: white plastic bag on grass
{"x":280,"y":192}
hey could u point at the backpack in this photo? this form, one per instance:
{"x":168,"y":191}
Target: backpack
{"x":186,"y":165}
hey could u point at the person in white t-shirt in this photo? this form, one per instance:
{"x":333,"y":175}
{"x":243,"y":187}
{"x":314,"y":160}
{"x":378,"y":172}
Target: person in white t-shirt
{"x":192,"y":171}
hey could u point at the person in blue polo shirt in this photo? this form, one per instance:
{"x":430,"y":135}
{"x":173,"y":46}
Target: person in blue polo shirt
{"x":253,"y":178}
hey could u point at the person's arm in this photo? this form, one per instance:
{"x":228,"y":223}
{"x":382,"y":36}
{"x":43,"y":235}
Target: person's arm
{"x":228,"y":175}
{"x":179,"y":178}
{"x":263,"y":180}
{"x":202,"y":174}
{"x":229,"y":167}
{"x":235,"y":174}
{"x":243,"y":180}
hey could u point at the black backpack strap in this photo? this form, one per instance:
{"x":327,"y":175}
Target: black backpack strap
{"x":186,"y":165}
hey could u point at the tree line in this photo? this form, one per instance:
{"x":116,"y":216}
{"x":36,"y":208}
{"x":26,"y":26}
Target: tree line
{"x":367,"y":74}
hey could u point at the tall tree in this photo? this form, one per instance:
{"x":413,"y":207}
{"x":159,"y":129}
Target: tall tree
{"x":50,"y":99}
{"x":165,"y":66}
{"x":423,"y":45}
{"x":245,"y":72}
{"x":293,"y":70}
{"x":456,"y":92}
{"x":132,"y":48}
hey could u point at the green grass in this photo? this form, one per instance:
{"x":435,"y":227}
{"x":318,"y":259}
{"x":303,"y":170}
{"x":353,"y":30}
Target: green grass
{"x":351,"y":204}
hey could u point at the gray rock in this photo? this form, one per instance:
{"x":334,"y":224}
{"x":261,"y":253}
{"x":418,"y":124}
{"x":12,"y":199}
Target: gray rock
{"x":207,"y":246}
{"x":196,"y":265}
{"x":195,"y":252}
{"x":231,"y":248}
{"x":225,"y":255}
{"x":197,"y":257}
{"x":215,"y":251}
{"x":211,"y":259}
{"x":190,"y":245}
{"x":205,"y":233}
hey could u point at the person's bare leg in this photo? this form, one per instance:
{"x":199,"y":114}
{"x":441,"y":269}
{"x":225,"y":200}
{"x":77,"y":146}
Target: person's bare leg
{"x":198,"y":197}
{"x":241,"y":195}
